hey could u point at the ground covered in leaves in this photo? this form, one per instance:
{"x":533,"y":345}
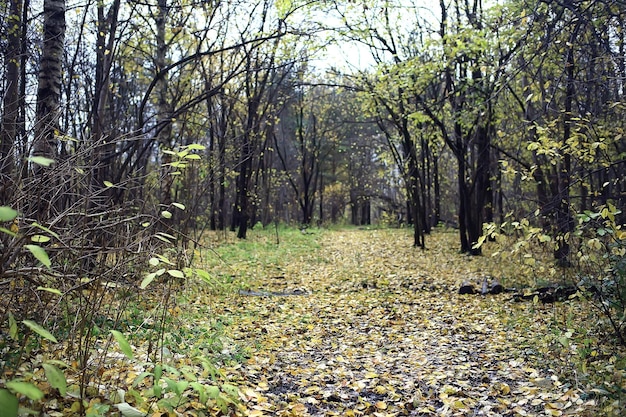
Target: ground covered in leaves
{"x":367,"y":325}
{"x":350,"y":322}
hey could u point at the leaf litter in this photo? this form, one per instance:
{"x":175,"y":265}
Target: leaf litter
{"x":352,"y":323}
{"x":380,"y":330}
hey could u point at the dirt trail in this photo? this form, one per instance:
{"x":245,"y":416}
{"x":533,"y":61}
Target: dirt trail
{"x":382,"y":331}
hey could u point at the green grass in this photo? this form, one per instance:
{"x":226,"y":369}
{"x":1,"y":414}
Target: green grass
{"x":236,"y":262}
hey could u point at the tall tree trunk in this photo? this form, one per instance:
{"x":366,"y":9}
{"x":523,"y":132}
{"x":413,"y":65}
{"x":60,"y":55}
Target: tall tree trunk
{"x":49,"y":97}
{"x":241,"y":214}
{"x":11,"y":101}
{"x":50,"y":78}
{"x":164,"y":122}
{"x":437,"y":190}
{"x":564,"y":222}
{"x":212,"y":162}
{"x":221,"y":181}
{"x":106,"y":25}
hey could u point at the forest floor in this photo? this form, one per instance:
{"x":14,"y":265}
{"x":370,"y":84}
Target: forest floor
{"x":364,"y":324}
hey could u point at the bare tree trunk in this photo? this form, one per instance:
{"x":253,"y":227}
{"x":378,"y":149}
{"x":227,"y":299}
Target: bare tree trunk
{"x":564,"y":222}
{"x":11,"y":102}
{"x":100,"y":117}
{"x":50,"y":78}
{"x":49,"y":96}
{"x":164,"y":125}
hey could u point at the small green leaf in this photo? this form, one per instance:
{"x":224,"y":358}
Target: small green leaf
{"x":39,"y":253}
{"x":41,"y":160}
{"x":40,"y":239}
{"x":181,"y":386}
{"x":8,"y":403}
{"x":158,"y":372}
{"x":544,"y":238}
{"x":7,"y":214}
{"x":213,"y":391}
{"x":154,"y":261}
{"x":195,"y":147}
{"x":12,"y":326}
{"x":200,"y":389}
{"x":52,"y":290}
{"x":39,"y":330}
{"x":179,"y":205}
{"x":176,"y":273}
{"x":171,"y":384}
{"x":480,"y":242}
{"x":141,"y":377}
{"x":166,"y":214}
{"x":193,"y":157}
{"x":25,"y":388}
{"x":124,"y":345}
{"x":56,"y":378}
{"x":164,"y":258}
{"x":147,"y":280}
{"x":231,"y":390}
{"x":204,"y":275}
{"x":108,"y":184}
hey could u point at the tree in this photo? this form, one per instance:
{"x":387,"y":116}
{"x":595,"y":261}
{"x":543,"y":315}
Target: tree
{"x":49,"y":94}
{"x":391,"y":46}
{"x":565,"y":103}
{"x":9,"y":125}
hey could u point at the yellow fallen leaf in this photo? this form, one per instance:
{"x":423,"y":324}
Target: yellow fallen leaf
{"x":555,"y":405}
{"x":381,"y":405}
{"x":299,"y":409}
{"x":505,"y":389}
{"x":379,"y":389}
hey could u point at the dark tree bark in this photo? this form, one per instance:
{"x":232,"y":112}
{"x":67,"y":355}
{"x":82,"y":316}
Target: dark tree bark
{"x":164,"y":107}
{"x":11,"y":101}
{"x":48,"y":98}
{"x":50,"y":78}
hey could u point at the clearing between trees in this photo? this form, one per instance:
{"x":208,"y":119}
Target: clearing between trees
{"x":373,"y":326}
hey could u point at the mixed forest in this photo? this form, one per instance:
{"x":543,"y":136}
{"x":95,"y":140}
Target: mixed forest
{"x":144,"y":142}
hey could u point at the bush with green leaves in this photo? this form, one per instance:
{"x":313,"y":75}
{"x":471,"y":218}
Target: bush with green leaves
{"x":69,"y":277}
{"x":597,"y":264}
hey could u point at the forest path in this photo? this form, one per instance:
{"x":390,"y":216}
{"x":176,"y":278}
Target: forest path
{"x":382,"y":331}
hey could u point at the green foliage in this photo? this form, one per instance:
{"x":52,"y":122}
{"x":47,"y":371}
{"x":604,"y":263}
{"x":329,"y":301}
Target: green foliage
{"x":598,"y":271}
{"x":56,"y":378}
{"x":40,"y":330}
{"x":7,"y":214}
{"x":123,"y":343}
{"x":601,"y":264}
{"x":8,"y":403}
{"x":25,"y":388}
{"x":39,"y":253}
{"x":172,"y":388}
